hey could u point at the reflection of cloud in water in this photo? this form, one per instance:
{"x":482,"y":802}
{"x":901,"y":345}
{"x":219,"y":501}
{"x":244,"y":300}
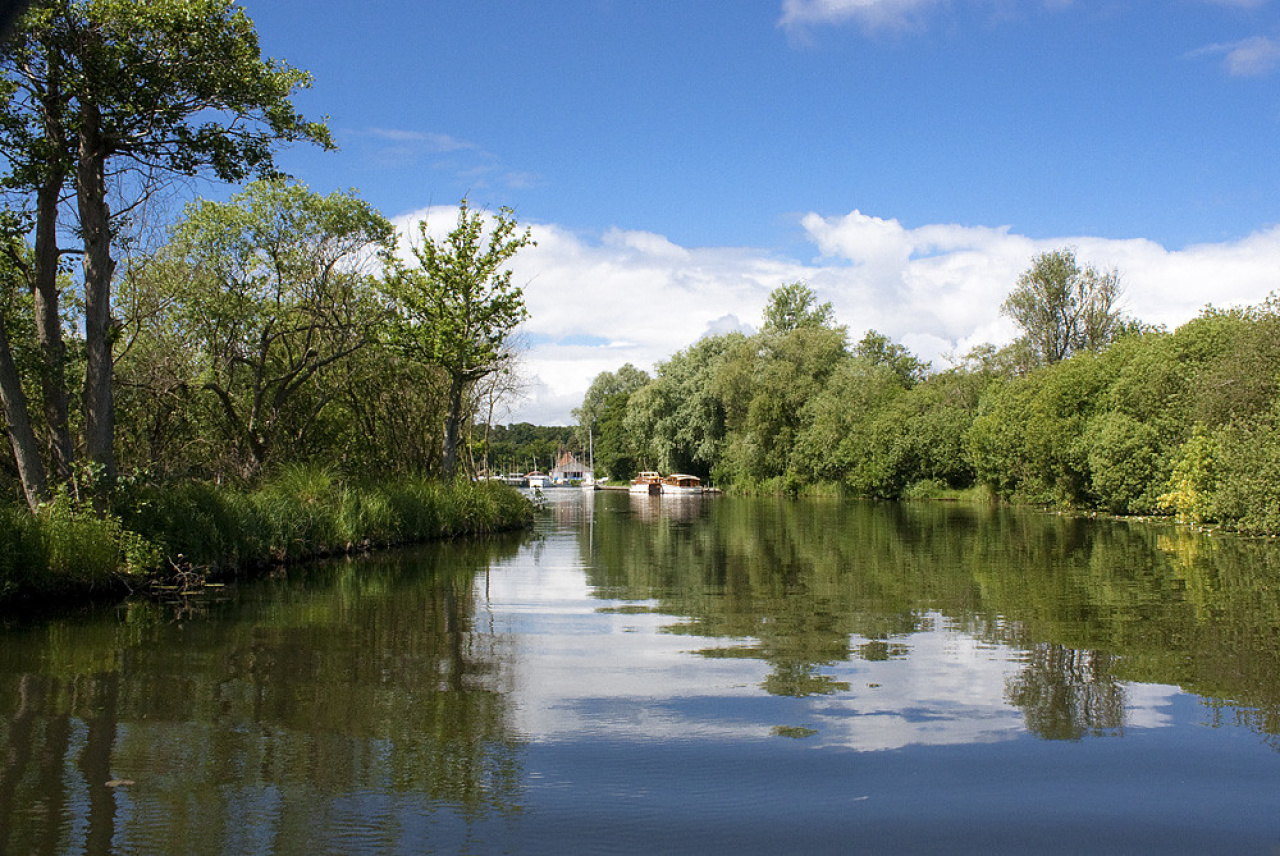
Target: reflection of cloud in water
{"x":589,"y":668}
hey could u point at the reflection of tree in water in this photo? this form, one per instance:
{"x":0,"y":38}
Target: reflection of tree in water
{"x":361,"y":696}
{"x":1066,"y":694}
{"x":796,"y":583}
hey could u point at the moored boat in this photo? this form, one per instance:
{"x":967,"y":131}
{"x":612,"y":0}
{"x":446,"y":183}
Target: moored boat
{"x":646,"y":482}
{"x":681,"y":484}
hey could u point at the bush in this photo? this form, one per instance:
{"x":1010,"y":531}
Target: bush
{"x":1126,"y":466}
{"x":1194,"y":482}
{"x":308,"y":511}
{"x":1248,"y":481}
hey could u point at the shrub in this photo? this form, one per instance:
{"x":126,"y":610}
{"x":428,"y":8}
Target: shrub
{"x":1126,"y":467}
{"x":1194,"y":482}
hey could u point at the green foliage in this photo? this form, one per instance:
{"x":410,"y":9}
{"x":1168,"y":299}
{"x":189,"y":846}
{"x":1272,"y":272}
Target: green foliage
{"x":1064,"y":309}
{"x":255,"y":300}
{"x":457,"y":308}
{"x":1028,"y":441}
{"x":1194,"y":480}
{"x":301,"y":512}
{"x":603,"y":412}
{"x":1154,"y":422}
{"x":1240,"y":373}
{"x":844,"y":425}
{"x":677,"y":422}
{"x":1247,"y":497}
{"x":131,"y":93}
{"x":309,"y":511}
{"x":1126,"y":463}
{"x":773,"y":383}
{"x":520,"y":446}
{"x":179,"y":85}
{"x":67,"y":547}
{"x":877,"y":349}
{"x":794,"y":306}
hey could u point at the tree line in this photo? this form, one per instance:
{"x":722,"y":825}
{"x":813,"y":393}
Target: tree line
{"x":279,"y":326}
{"x":1087,"y":409}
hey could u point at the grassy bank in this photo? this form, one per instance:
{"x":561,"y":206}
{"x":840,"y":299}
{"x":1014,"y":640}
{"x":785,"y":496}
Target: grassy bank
{"x":157,"y":530}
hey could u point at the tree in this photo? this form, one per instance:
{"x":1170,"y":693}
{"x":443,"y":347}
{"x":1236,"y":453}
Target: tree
{"x":13,"y":398}
{"x":603,"y":414}
{"x":268,"y":293}
{"x":677,"y":421}
{"x":624,"y":381}
{"x":457,"y":308}
{"x":880,"y":351}
{"x":129,"y":94}
{"x":1063,"y":308}
{"x":793,"y":306}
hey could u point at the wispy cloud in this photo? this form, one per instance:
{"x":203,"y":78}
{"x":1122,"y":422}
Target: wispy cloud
{"x":465,"y":161}
{"x":425,"y":139}
{"x":871,"y":13}
{"x":1250,"y":57}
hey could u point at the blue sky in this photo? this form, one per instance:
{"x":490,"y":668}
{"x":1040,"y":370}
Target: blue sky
{"x":677,"y":160}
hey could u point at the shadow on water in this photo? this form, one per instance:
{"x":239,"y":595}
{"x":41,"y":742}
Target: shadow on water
{"x":283,"y":717}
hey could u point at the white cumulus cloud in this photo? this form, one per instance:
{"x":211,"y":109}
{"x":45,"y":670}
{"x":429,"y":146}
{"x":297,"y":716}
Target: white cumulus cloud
{"x":597,"y":302}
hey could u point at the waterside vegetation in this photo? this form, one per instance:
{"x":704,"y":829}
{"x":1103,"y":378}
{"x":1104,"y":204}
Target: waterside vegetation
{"x":1087,"y":410}
{"x":196,"y":532}
{"x":259,"y":379}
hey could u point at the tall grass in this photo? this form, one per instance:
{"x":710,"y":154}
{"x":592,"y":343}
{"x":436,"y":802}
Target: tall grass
{"x":64,"y":547}
{"x":302,"y":512}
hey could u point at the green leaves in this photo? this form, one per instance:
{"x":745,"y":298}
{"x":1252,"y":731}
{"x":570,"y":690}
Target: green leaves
{"x":1063,"y":308}
{"x":264,"y":294}
{"x":457,"y":307}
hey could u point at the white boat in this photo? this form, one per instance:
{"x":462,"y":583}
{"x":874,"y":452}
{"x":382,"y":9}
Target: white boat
{"x":681,"y":484}
{"x":536,"y":479}
{"x":646,"y":482}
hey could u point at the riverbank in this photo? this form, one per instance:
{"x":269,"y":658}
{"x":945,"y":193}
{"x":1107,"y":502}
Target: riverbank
{"x":197,"y":531}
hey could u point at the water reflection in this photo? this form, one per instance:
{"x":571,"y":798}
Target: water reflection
{"x":1081,"y":608}
{"x":632,"y":652}
{"x":298,"y":714}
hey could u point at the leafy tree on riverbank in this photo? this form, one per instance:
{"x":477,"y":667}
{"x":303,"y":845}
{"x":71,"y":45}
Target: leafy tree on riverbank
{"x":1097,"y":412}
{"x":262,"y":296}
{"x":1064,"y":309}
{"x":603,"y":414}
{"x":106,"y":94}
{"x":456,"y":309}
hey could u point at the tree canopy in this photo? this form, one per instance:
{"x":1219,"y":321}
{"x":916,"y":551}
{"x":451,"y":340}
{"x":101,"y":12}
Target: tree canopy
{"x":1063,"y":308}
{"x":117,"y":97}
{"x":793,"y":306}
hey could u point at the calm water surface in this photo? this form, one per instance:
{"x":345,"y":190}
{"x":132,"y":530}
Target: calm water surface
{"x":693,"y":675}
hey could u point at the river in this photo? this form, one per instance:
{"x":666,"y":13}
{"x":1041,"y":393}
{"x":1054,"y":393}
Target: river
{"x":673,"y":675}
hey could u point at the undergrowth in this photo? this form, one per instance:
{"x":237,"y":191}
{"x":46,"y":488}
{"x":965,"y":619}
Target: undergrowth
{"x":300,"y":513}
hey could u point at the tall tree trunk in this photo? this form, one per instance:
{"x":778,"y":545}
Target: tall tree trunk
{"x":53,"y":351}
{"x":453,"y":425}
{"x":91,"y":191}
{"x":26,"y":452}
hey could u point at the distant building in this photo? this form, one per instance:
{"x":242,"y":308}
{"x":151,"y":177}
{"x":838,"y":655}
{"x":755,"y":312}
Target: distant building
{"x":570,"y":468}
